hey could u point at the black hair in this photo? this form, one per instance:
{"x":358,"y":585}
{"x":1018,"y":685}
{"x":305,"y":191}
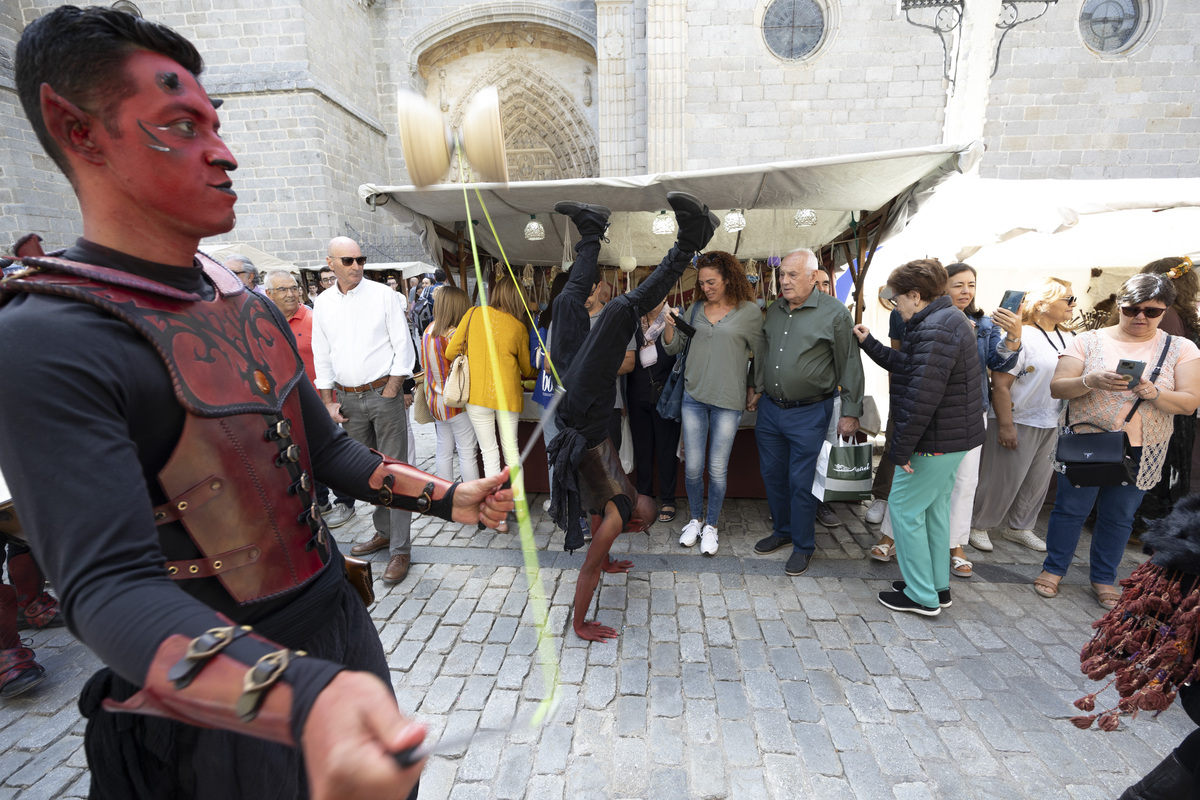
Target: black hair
{"x":971,"y":310}
{"x":556,"y":287}
{"x":81,"y":54}
{"x":439,"y":275}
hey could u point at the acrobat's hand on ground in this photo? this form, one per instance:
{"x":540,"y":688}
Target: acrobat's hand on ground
{"x":483,"y":500}
{"x":594,"y":632}
{"x":612,"y":565}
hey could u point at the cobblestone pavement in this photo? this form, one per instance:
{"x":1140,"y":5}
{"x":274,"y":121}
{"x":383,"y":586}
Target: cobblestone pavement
{"x":729,"y":679}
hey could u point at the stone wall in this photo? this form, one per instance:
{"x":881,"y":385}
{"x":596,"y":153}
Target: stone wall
{"x":1058,"y":110}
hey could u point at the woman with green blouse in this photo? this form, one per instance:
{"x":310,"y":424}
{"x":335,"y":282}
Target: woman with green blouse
{"x":728,"y":327}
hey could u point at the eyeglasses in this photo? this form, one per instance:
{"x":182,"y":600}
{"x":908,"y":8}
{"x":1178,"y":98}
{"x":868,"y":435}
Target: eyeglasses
{"x":286,"y":290}
{"x":1133,"y":311}
{"x":348,"y":260}
{"x":327,"y":281}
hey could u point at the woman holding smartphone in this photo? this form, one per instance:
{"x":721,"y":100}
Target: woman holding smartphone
{"x":1017,"y":456}
{"x":1100,"y":396}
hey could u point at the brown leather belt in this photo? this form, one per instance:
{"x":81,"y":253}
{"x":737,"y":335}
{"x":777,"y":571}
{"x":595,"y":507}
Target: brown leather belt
{"x":366,"y":387}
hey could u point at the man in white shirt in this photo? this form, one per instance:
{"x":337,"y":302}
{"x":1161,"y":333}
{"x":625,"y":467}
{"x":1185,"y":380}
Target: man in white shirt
{"x":362,"y":351}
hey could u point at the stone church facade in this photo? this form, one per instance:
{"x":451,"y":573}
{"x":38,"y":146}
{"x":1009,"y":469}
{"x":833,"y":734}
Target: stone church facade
{"x":1069,"y":89}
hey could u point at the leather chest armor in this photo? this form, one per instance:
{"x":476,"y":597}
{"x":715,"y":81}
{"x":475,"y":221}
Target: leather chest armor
{"x":239,"y":480}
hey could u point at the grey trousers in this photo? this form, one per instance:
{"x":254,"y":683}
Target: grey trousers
{"x":381,"y":423}
{"x":1016,"y":480}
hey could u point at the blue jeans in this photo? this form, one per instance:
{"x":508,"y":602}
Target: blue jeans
{"x":1115,"y":506}
{"x":789,"y":442}
{"x":698,"y":419}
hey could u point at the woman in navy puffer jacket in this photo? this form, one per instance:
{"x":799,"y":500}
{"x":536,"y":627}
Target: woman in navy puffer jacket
{"x":937,"y":403}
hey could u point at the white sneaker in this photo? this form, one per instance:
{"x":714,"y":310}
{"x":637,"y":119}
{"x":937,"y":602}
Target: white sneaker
{"x":876,"y":512}
{"x":708,"y":541}
{"x":339,"y":515}
{"x":1025,"y":538}
{"x":546,"y":504}
{"x":979,"y":540}
{"x":691,"y":532}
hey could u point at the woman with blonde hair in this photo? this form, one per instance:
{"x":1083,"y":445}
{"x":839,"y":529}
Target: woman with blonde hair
{"x":491,"y":382}
{"x":1102,"y":399}
{"x":1021,"y":437}
{"x":452,"y":426}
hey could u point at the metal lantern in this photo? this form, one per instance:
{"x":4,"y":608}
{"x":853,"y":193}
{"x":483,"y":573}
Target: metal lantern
{"x":805,"y":218}
{"x":534,"y":231}
{"x":663,"y":225}
{"x":734,"y":221}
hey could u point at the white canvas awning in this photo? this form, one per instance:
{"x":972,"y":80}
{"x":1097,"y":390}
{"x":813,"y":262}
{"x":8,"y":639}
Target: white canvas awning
{"x":408,"y":269}
{"x":263,"y":261}
{"x":769,"y":195}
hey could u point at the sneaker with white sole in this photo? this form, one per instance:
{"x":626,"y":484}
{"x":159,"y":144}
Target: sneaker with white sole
{"x":980,"y":540}
{"x":339,"y":515}
{"x":1026,"y":539}
{"x":708,"y":541}
{"x":691,"y":532}
{"x":876,"y":512}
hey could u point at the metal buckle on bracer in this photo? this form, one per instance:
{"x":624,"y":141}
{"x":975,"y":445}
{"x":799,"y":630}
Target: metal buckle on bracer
{"x":259,"y":678}
{"x":280,"y":430}
{"x":201,"y":650}
{"x":422,"y":502}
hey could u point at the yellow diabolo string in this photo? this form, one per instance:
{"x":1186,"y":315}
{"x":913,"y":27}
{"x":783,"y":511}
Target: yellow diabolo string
{"x":547,"y":651}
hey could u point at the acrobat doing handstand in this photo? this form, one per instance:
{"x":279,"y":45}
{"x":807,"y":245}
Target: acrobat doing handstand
{"x":587,"y":473}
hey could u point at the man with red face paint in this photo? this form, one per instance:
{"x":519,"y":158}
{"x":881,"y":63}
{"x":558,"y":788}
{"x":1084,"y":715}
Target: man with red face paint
{"x":165,"y":472}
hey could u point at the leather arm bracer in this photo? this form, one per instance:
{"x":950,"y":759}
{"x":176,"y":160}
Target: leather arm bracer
{"x":196,"y":682}
{"x":407,"y":488}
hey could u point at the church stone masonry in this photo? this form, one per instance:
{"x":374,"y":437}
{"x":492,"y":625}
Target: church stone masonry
{"x":620,"y":87}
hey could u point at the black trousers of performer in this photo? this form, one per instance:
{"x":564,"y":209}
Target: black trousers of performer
{"x":134,"y":757}
{"x":571,"y":319}
{"x":591,"y":380}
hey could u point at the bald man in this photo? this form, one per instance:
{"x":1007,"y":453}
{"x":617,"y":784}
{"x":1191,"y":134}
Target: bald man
{"x":362,"y":353}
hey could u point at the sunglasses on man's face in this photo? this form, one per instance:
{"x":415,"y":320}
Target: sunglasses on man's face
{"x":1133,"y":311}
{"x":348,"y":260}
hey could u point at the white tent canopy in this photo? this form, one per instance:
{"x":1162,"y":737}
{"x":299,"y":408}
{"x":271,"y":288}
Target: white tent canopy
{"x":263,"y":261}
{"x":768,"y":194}
{"x":409,"y":269}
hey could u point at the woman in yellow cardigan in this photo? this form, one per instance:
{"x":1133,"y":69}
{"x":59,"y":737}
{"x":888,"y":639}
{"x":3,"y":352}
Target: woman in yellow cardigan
{"x":487,"y":379}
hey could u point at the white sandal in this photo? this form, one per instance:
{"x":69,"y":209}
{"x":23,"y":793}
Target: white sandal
{"x":961,"y":567}
{"x":882,"y":551}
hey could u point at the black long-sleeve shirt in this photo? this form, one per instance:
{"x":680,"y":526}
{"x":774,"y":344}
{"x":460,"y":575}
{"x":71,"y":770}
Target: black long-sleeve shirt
{"x":88,"y":418}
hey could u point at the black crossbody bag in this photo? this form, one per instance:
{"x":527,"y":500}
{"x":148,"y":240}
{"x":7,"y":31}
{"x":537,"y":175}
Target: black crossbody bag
{"x":1105,"y":458}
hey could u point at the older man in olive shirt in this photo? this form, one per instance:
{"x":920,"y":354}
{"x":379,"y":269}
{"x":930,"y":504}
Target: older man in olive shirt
{"x":810,"y":352}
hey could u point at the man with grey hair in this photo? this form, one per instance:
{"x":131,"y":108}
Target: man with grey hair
{"x":810,"y":353}
{"x":362,"y":353}
{"x":246,"y":271}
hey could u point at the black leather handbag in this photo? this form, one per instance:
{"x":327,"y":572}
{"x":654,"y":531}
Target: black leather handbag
{"x":1104,"y":458}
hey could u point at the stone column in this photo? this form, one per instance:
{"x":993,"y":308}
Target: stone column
{"x":666,"y":58}
{"x":616,"y":78}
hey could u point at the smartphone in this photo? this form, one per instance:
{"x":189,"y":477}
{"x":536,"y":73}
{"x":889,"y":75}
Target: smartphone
{"x":1012,"y":300}
{"x":684,"y":328}
{"x":1132,"y":369}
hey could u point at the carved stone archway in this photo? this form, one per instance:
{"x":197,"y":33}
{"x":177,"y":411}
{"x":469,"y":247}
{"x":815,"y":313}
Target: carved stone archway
{"x":546,"y":135}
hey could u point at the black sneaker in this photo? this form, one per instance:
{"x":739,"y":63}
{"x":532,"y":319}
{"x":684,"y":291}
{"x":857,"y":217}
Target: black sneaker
{"x":589,"y":220}
{"x":944,"y":600}
{"x":827,"y":516}
{"x":898,"y":601}
{"x":696,"y":223}
{"x":771,"y":544}
{"x":797,"y":564}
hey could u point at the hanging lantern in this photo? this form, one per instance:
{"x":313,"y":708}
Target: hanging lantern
{"x":534,"y":231}
{"x":734,"y":221}
{"x":663,"y":225}
{"x":627,"y":263}
{"x":805,"y":218}
{"x":527,"y":276}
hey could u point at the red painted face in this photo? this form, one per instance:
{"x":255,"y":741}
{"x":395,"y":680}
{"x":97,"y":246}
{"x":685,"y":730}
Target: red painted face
{"x":167,"y":161}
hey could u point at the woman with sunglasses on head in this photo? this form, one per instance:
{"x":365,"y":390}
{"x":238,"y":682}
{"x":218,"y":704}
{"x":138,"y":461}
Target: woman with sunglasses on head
{"x":1179,"y":320}
{"x":1100,"y":396}
{"x":1017,"y":455}
{"x":998,"y":342}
